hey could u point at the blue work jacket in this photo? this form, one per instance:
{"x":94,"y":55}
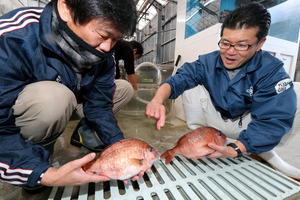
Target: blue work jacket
{"x":29,"y":54}
{"x":262,"y":87}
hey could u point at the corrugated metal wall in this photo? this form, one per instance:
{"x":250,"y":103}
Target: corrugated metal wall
{"x":149,"y":36}
{"x":34,"y":3}
{"x":8,"y":5}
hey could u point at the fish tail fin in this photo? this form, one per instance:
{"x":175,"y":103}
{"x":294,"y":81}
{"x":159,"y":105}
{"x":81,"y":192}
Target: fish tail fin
{"x":168,"y":155}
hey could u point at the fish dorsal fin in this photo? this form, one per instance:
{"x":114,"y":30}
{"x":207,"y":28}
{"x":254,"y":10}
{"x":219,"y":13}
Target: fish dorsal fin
{"x":176,"y":143}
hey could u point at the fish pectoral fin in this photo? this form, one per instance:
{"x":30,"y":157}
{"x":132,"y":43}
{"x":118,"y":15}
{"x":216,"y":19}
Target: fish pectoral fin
{"x":210,"y":153}
{"x":94,"y":172}
{"x":206,"y":147}
{"x":203,"y":156}
{"x":137,"y":162}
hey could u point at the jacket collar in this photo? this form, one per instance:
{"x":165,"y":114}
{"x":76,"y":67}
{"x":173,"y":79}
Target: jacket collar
{"x":45,"y":30}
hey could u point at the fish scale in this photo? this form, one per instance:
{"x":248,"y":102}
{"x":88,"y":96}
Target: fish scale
{"x":210,"y":179}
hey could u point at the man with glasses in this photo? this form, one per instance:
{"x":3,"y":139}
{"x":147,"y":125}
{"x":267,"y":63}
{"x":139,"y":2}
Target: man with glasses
{"x":239,"y":89}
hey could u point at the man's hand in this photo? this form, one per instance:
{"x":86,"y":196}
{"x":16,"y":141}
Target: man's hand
{"x":155,"y":108}
{"x":156,"y":111}
{"x":71,"y":174}
{"x":221,"y":151}
{"x":225,"y":151}
{"x":140,"y":175}
{"x":132,"y":80}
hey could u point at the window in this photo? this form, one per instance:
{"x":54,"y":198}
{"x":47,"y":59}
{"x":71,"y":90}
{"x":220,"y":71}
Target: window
{"x":200,"y":14}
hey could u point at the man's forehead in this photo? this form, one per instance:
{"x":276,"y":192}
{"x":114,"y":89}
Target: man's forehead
{"x":109,"y":28}
{"x":247,"y":33}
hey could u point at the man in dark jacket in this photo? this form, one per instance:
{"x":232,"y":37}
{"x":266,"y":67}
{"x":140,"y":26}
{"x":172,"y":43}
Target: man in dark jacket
{"x":56,"y":63}
{"x":128,"y":51}
{"x":240,"y":90}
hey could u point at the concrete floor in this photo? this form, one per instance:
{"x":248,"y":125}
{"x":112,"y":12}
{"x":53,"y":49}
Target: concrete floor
{"x":138,"y":127}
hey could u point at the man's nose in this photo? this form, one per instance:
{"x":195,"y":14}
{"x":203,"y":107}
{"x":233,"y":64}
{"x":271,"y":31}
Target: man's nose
{"x":106,"y":45}
{"x":231,"y":50}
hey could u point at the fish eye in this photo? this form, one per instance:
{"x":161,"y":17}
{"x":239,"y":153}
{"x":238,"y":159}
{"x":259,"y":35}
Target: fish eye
{"x":219,"y":133}
{"x":150,"y":149}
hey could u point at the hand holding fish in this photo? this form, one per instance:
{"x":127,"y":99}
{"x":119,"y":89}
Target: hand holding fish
{"x":71,"y":173}
{"x":140,"y":175}
{"x":225,"y":151}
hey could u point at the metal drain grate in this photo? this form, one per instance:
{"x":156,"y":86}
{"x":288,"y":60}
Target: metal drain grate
{"x":185,"y":179}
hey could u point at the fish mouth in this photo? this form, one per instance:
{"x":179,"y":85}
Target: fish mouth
{"x":155,"y":154}
{"x":151,"y":162}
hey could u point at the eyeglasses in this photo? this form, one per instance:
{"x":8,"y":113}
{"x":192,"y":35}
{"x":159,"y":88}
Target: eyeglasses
{"x":238,"y":47}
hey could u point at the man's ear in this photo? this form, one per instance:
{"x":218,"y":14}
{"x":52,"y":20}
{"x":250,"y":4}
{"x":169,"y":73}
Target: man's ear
{"x":63,"y":10}
{"x":134,"y":51}
{"x":261,"y":43}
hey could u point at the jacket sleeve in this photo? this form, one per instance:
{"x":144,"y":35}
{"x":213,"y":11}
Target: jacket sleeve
{"x":273,"y":109}
{"x":21,"y":162}
{"x":97,"y":106}
{"x":187,"y":76}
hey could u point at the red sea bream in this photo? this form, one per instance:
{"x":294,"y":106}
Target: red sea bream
{"x":123,"y":159}
{"x":195,"y":144}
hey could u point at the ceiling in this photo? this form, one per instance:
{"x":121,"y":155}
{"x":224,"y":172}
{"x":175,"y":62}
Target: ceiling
{"x":146,"y":10}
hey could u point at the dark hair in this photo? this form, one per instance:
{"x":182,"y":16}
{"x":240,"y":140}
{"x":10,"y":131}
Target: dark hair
{"x":249,"y":15}
{"x":121,"y":13}
{"x":138,"y":46}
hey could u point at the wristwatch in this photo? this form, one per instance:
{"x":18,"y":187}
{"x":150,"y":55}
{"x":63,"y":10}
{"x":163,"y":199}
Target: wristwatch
{"x":236,"y":148}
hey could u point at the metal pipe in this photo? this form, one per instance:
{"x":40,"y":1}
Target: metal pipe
{"x":144,"y":6}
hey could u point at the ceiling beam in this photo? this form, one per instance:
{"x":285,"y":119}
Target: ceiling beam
{"x":145,"y":4}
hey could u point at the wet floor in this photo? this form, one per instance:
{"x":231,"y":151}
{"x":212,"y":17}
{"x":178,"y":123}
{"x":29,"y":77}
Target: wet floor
{"x":137,"y":127}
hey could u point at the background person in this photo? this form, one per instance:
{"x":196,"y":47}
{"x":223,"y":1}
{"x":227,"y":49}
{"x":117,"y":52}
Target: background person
{"x":56,"y":63}
{"x":128,"y":51}
{"x":240,"y":90}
